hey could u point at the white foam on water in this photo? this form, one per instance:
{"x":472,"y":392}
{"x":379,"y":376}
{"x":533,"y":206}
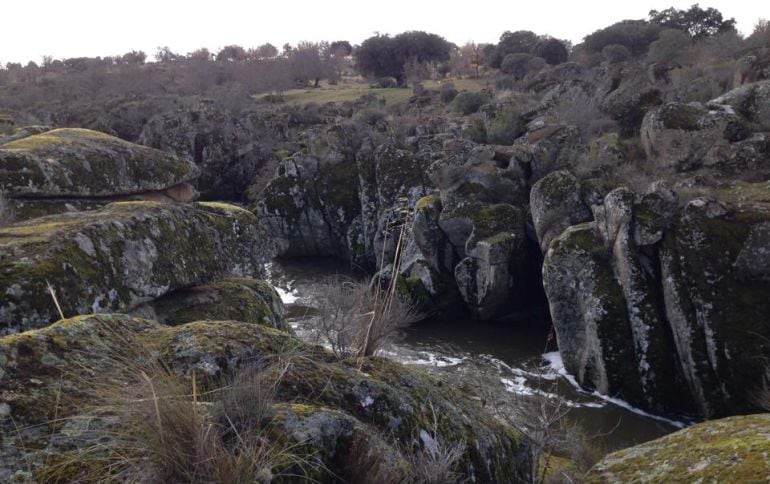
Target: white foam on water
{"x":424,"y":358}
{"x":287,"y":296}
{"x":557,"y":364}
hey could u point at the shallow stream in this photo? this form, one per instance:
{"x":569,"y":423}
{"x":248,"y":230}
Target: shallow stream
{"x":500,"y":363}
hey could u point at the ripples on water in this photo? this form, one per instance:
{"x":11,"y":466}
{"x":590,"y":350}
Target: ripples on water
{"x":505,"y":361}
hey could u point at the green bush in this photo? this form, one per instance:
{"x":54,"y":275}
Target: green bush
{"x":505,"y":126}
{"x":615,"y":53}
{"x":448,"y":92}
{"x":469,"y":102}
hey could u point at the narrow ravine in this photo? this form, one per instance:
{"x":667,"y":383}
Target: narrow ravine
{"x":495,"y":362}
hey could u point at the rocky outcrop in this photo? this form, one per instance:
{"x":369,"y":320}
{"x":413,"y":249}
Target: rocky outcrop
{"x":309,"y":206}
{"x":727,"y":136}
{"x":751,"y":102}
{"x":342,"y":414}
{"x":78,"y":169}
{"x":238,"y":299}
{"x":119,"y":256}
{"x":733,"y":449}
{"x":556,"y":203}
{"x":648,"y":299}
{"x":80,"y":163}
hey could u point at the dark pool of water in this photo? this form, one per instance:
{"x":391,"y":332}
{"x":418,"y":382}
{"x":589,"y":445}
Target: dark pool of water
{"x":494,"y":361}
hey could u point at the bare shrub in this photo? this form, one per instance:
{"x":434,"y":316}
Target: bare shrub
{"x":356,"y":319}
{"x":6,"y":211}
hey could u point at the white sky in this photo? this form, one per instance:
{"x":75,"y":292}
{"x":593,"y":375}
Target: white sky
{"x":30,"y":29}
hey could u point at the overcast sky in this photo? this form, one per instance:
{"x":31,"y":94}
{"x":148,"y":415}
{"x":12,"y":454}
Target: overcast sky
{"x":73,"y":28}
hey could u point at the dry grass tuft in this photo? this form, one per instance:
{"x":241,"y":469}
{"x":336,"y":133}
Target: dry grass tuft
{"x":168,"y":430}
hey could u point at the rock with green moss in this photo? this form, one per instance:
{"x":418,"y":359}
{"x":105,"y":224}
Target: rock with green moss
{"x":649,"y":300}
{"x":121,"y":255}
{"x":23,"y":132}
{"x":309,"y":205}
{"x":735,"y":449}
{"x":80,"y":163}
{"x":238,"y":299}
{"x":489,"y":243}
{"x":547,"y":149}
{"x":750,"y":101}
{"x":370,"y":415}
{"x":556,"y":203}
{"x":683,"y":137}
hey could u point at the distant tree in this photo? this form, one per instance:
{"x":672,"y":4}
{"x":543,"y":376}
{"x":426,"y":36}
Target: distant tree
{"x":307,"y":63}
{"x":554,"y":51}
{"x":519,"y":42}
{"x":47,"y":61}
{"x":231,"y":53}
{"x":635,"y":35}
{"x":695,"y":21}
{"x":202,"y":54}
{"x":760,"y":37}
{"x":615,"y":53}
{"x":134,"y":57}
{"x":341,"y":48}
{"x":672,"y":47}
{"x":384,"y":56}
{"x":519,"y":65}
{"x":164,"y":54}
{"x":266,"y":51}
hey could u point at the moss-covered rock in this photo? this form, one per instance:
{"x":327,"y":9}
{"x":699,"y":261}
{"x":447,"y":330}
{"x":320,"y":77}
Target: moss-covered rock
{"x":238,"y":299}
{"x":649,"y":300}
{"x":72,"y":162}
{"x":683,"y":137}
{"x":751,"y":101}
{"x":344,"y":414}
{"x":124,"y":254}
{"x":309,"y":205}
{"x":735,"y":449}
{"x":556,"y":203}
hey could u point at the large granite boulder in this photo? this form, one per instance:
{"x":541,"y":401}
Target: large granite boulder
{"x":71,"y":169}
{"x":648,"y":300}
{"x":751,"y":102}
{"x":309,"y":206}
{"x":82,"y":163}
{"x":238,"y":299}
{"x":556,"y":203}
{"x":121,"y":255}
{"x":735,"y":449}
{"x":365,"y":420}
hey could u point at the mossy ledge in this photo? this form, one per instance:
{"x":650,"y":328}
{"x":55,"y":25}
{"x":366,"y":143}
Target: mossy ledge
{"x":734,"y":449}
{"x":71,"y":162}
{"x":121,"y":255}
{"x":333,"y":408}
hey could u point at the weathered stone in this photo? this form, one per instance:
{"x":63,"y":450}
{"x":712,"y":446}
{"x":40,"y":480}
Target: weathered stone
{"x":124,"y":254}
{"x":80,"y":163}
{"x":556,"y":203}
{"x":735,"y":449}
{"x":309,"y":206}
{"x":647,"y":300}
{"x":751,"y":102}
{"x":238,"y":299}
{"x":680,"y":137}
